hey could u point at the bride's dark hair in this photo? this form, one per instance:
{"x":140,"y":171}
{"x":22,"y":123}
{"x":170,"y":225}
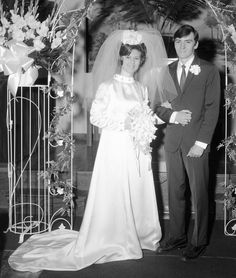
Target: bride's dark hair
{"x":126,"y":49}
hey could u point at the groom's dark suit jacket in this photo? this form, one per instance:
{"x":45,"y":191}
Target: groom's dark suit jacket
{"x":201,"y":95}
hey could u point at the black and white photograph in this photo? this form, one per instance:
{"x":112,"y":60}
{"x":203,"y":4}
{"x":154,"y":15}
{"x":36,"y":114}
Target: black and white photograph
{"x":117,"y":138}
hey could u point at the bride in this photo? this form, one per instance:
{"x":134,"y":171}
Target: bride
{"x":121,"y":216}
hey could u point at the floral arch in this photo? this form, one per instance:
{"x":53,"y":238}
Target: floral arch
{"x":225,"y":16}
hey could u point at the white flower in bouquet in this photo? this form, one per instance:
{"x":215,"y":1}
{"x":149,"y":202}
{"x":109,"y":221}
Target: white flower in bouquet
{"x":143,"y":127}
{"x":31,"y":21}
{"x":43,"y":29}
{"x":56,"y":42}
{"x":29,"y":34}
{"x":2,"y":40}
{"x":2,"y":31}
{"x":38,"y":44}
{"x":27,"y":42}
{"x":17,"y":20}
{"x":5,"y":23}
{"x":18,"y":35}
{"x":49,"y":41}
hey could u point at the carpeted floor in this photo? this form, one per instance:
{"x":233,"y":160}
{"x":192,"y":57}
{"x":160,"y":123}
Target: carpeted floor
{"x":219,"y":260}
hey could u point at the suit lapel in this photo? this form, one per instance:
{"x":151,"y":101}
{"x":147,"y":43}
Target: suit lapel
{"x":173,"y":72}
{"x":190,"y":75}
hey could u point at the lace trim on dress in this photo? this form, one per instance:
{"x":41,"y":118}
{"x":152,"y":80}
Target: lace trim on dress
{"x":123,"y":78}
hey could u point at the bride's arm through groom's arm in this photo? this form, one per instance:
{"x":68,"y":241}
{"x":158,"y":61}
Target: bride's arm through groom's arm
{"x":168,"y":115}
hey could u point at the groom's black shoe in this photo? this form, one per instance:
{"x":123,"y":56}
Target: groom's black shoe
{"x":193,"y":252}
{"x":172,"y":245}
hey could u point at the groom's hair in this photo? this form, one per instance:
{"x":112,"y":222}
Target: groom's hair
{"x":185,"y":30}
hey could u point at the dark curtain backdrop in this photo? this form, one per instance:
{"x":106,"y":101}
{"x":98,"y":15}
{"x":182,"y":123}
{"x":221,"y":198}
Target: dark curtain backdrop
{"x":3,"y":111}
{"x":25,"y":129}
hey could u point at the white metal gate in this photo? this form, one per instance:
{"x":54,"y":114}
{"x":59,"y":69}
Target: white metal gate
{"x":33,"y":206}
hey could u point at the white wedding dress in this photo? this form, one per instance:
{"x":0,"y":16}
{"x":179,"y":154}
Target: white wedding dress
{"x":121,"y":216}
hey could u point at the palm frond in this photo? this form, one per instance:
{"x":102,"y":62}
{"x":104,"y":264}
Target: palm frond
{"x":147,"y":11}
{"x":184,"y":9}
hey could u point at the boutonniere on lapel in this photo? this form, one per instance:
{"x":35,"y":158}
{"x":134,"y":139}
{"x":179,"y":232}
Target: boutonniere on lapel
{"x":195,"y":69}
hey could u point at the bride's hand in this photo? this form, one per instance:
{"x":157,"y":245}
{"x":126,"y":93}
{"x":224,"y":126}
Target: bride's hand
{"x":166,"y":104}
{"x":128,"y":123}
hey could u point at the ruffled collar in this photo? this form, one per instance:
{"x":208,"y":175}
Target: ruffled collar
{"x":123,"y":78}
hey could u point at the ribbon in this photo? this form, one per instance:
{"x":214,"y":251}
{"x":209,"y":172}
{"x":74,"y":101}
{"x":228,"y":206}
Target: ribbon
{"x":14,"y":61}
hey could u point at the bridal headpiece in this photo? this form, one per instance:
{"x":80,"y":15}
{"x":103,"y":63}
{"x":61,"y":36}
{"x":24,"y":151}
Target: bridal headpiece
{"x":131,"y":37}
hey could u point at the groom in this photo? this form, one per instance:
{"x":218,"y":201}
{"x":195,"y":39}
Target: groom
{"x":191,"y":120}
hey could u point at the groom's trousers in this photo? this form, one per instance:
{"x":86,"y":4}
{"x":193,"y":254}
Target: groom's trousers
{"x":197,"y":170}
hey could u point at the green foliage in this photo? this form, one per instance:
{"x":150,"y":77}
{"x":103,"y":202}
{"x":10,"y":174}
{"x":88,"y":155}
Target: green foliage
{"x":230,"y":97}
{"x":230,"y":198}
{"x":54,"y":175}
{"x":223,"y":15}
{"x":230,"y":147}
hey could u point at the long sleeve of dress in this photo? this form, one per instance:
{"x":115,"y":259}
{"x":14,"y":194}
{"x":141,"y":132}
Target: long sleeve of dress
{"x":100,"y":113}
{"x":146,"y":100}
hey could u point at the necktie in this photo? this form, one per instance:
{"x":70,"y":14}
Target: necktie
{"x":182,"y":78}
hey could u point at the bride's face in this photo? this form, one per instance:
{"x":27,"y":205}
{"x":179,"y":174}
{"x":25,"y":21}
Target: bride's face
{"x":131,"y":62}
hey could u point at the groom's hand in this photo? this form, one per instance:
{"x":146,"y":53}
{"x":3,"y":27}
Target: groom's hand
{"x":183,"y":117}
{"x":195,"y":151}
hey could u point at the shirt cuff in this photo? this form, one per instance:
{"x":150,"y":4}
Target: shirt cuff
{"x":201,"y":144}
{"x":172,"y":118}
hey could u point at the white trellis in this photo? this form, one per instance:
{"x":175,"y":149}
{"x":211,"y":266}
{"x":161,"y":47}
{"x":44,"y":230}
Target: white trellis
{"x":229,"y":219}
{"x":229,"y":216}
{"x":32,"y":206}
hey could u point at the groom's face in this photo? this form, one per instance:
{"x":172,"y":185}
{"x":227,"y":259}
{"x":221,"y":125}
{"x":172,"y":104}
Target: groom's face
{"x":185,"y":46}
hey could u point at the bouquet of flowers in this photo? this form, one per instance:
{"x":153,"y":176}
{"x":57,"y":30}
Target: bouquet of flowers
{"x":48,"y":41}
{"x":143,"y":127}
{"x":25,"y":41}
